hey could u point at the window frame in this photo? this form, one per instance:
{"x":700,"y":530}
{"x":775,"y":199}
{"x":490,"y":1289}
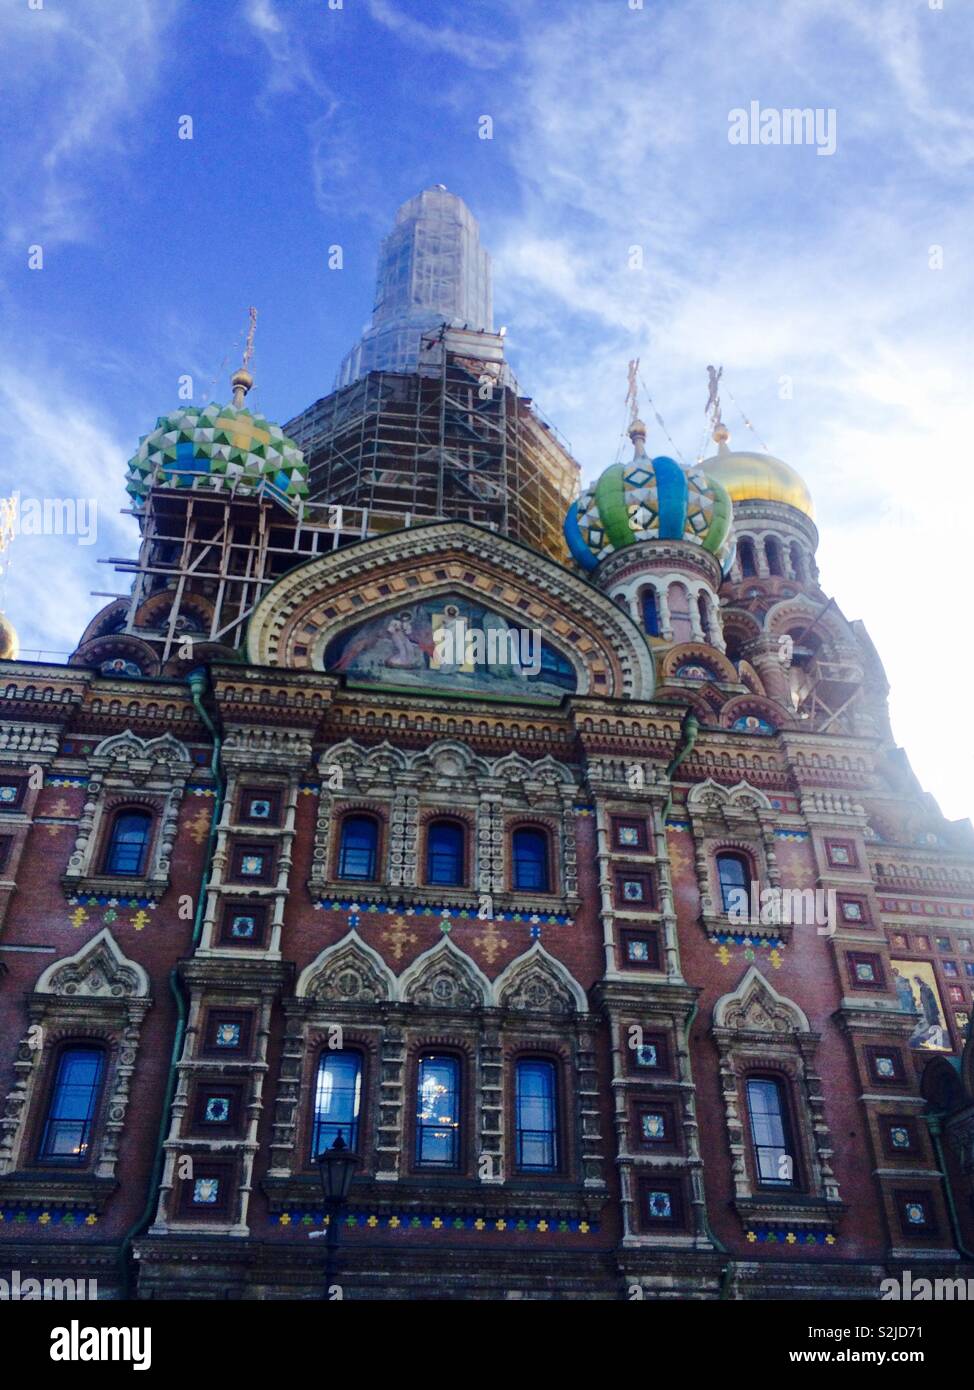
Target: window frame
{"x":369,"y":818}
{"x":42,"y":1156}
{"x":788,"y":1145}
{"x":553,"y":1064}
{"x":118,"y":813}
{"x":419,"y":1163}
{"x":544,"y":835}
{"x":453,"y":824}
{"x":743,"y":858}
{"x":355,"y":1126}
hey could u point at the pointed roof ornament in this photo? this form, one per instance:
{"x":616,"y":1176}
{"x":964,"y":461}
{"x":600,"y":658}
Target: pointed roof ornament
{"x":637,"y":429}
{"x":242,"y":381}
{"x":721,"y":434}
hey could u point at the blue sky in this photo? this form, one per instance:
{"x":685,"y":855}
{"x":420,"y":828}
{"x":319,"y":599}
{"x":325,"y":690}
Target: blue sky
{"x":809,"y":277}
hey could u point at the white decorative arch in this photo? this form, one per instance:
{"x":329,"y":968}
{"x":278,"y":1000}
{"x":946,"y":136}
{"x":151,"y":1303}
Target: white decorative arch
{"x":514,"y":768}
{"x":710,"y":796}
{"x":142,"y":755}
{"x":445,"y":977}
{"x":349,"y":971}
{"x":99,"y":970}
{"x":535,"y":982}
{"x":755,"y":1006}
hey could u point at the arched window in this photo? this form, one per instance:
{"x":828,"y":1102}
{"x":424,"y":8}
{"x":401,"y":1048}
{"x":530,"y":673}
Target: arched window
{"x":358,"y":852}
{"x":734,"y":874}
{"x":438,"y":1111}
{"x":650,"y":612}
{"x":444,"y":853}
{"x":536,"y":1115}
{"x":74,"y":1104}
{"x":338,"y":1100}
{"x":797,"y":565}
{"x":774,"y":1156}
{"x":128,"y":843}
{"x":679,"y":601}
{"x":773,"y":552}
{"x":530,"y":849}
{"x":745,"y":554}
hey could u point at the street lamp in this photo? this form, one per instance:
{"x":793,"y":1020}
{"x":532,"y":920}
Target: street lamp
{"x":336,"y":1168}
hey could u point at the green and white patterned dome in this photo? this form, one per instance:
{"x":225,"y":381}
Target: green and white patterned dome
{"x":218,"y":446}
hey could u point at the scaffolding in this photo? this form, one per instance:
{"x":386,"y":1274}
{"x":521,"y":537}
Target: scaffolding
{"x":454,"y":439}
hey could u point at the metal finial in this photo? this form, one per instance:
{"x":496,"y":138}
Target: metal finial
{"x":242,"y":381}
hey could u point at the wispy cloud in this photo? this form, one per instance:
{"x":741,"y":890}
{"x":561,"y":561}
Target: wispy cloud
{"x":471,"y":47}
{"x":74,"y":80}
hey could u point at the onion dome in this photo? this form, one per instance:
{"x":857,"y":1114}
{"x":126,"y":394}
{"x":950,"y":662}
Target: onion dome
{"x":9,"y":641}
{"x":218,"y":446}
{"x":648,"y":500}
{"x":751,"y":477}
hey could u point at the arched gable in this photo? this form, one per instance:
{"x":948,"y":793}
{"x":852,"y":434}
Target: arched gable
{"x":350,"y":971}
{"x":536,"y":982}
{"x":444,"y":977}
{"x":99,"y":970}
{"x":299,"y":620}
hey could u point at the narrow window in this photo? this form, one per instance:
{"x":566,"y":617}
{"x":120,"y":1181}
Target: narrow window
{"x":74,"y":1103}
{"x":650,"y":612}
{"x":438,"y":1112}
{"x":536,"y":1122}
{"x":734,"y":873}
{"x":773,"y":1156}
{"x":359,"y":848}
{"x":773,"y":551}
{"x":531,"y":861}
{"x":797,"y":568}
{"x":444,"y":853}
{"x":703,"y":615}
{"x":338,"y":1101}
{"x":745,"y":554}
{"x":128,"y":843}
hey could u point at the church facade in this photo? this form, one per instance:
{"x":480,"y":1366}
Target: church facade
{"x":574,"y":879}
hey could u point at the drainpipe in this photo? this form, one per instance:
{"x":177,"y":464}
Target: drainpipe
{"x":197,"y":681}
{"x":934,"y":1125}
{"x":728,"y":1269}
{"x":688,"y":737}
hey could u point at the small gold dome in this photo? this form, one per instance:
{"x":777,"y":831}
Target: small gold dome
{"x":750,"y":477}
{"x":9,"y":641}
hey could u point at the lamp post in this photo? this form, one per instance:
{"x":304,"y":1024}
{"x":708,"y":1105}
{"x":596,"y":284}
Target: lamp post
{"x":336,"y":1168}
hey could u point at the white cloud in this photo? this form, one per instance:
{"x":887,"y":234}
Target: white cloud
{"x":779,"y":264}
{"x":57,"y":445}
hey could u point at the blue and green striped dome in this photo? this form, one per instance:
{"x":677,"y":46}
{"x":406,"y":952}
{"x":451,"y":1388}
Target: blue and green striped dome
{"x":647,"y":500}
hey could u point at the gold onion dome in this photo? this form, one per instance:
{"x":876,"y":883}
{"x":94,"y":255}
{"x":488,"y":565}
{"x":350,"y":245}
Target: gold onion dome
{"x":754,"y":477}
{"x":9,"y":641}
